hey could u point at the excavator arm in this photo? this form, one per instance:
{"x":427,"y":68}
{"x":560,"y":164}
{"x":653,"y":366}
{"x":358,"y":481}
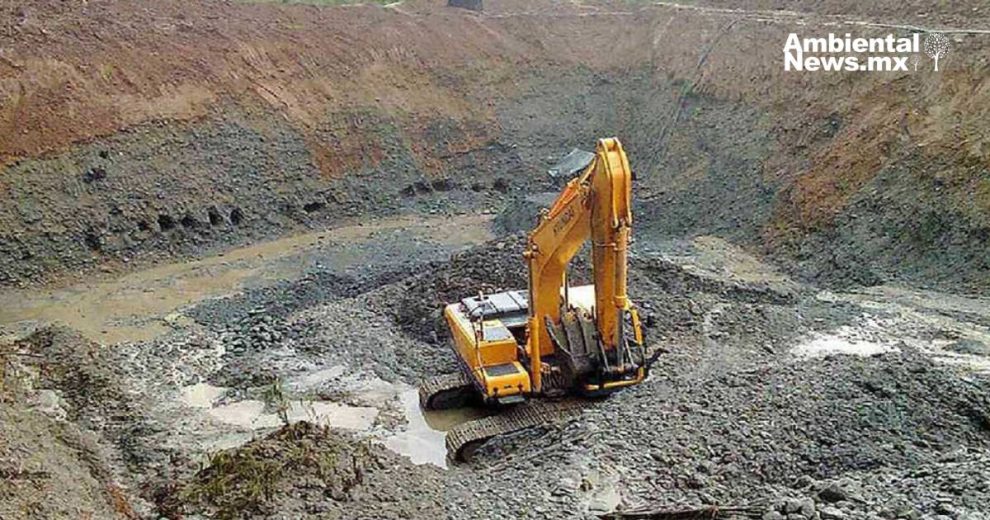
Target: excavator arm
{"x":596,"y":205}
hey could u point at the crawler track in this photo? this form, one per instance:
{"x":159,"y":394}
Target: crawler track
{"x":463,"y":439}
{"x":445,"y":392}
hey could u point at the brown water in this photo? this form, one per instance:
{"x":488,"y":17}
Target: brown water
{"x":143,"y":304}
{"x":424,"y":438}
{"x":137,"y":306}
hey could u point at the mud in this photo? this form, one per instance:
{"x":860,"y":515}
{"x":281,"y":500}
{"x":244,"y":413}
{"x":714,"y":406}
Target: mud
{"x":790,"y":391}
{"x":233,"y":227}
{"x":140,"y":306}
{"x":163,"y":358}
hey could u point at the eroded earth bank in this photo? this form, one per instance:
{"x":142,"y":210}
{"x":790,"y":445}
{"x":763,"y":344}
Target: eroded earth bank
{"x":229,"y":227}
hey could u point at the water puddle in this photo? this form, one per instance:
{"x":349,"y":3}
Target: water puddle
{"x":911,"y":315}
{"x":867,"y":338}
{"x":201,"y":395}
{"x":244,"y":414}
{"x":830,"y":344}
{"x":420,"y":436}
{"x":252,"y":414}
{"x":424,"y":438}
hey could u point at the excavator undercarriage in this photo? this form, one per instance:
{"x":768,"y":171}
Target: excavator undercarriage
{"x":530,"y":352}
{"x":455,"y":390}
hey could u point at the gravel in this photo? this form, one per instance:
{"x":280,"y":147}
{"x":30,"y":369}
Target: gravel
{"x":731,"y":415}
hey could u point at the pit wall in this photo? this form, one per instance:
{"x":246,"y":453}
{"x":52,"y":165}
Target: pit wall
{"x":185,"y":188}
{"x":209,"y":131}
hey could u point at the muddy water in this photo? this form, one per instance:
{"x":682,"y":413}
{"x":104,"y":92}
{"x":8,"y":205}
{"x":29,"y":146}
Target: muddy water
{"x":420,"y":442}
{"x":931,"y":322}
{"x":421,"y":436}
{"x":423,"y":439}
{"x":144,"y":304}
{"x":200,"y":395}
{"x":138,"y":306}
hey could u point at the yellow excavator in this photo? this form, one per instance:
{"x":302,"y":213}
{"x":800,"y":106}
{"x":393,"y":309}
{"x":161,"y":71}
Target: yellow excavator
{"x":552,"y":340}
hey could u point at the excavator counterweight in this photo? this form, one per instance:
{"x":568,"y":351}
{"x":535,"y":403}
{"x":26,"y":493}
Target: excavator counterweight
{"x":551,"y":340}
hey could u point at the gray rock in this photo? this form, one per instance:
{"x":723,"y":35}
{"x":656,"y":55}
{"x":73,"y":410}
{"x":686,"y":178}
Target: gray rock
{"x":49,"y":403}
{"x":831,"y":513}
{"x":833,"y":493}
{"x":970,"y":346}
{"x":792,"y":505}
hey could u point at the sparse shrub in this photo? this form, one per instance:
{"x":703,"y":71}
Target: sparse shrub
{"x":249,"y":479}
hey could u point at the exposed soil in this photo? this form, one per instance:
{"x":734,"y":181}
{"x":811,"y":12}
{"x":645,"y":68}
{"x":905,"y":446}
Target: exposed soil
{"x":232,"y":227}
{"x":140,"y":133}
{"x":767,"y":393}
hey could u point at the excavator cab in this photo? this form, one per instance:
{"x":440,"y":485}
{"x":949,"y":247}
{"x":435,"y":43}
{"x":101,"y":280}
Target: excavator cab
{"x":487,"y":331}
{"x":490,"y":334}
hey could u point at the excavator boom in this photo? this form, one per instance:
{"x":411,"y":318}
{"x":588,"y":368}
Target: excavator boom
{"x":596,"y":205}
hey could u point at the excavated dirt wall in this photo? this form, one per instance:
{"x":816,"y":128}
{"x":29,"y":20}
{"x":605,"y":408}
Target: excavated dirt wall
{"x":132,"y":132}
{"x":137,"y":132}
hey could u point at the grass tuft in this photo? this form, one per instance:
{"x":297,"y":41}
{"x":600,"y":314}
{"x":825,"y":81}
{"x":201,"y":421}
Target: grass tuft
{"x":250,"y":478}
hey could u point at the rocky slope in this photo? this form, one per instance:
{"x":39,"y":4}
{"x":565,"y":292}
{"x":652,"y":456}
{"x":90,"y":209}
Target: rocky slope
{"x":137,"y":131}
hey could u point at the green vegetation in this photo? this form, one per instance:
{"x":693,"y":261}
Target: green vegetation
{"x":274,"y":397}
{"x":106,"y":71}
{"x":245,"y":480}
{"x":235,"y":481}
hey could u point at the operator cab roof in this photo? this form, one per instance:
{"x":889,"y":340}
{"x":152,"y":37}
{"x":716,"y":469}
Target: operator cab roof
{"x":512,"y":306}
{"x":497,"y":305}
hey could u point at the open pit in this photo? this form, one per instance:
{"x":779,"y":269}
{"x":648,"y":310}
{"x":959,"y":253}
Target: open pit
{"x":229,"y":228}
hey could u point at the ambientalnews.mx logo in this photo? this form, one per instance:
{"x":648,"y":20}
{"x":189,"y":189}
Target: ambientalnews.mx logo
{"x":845,"y":53}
